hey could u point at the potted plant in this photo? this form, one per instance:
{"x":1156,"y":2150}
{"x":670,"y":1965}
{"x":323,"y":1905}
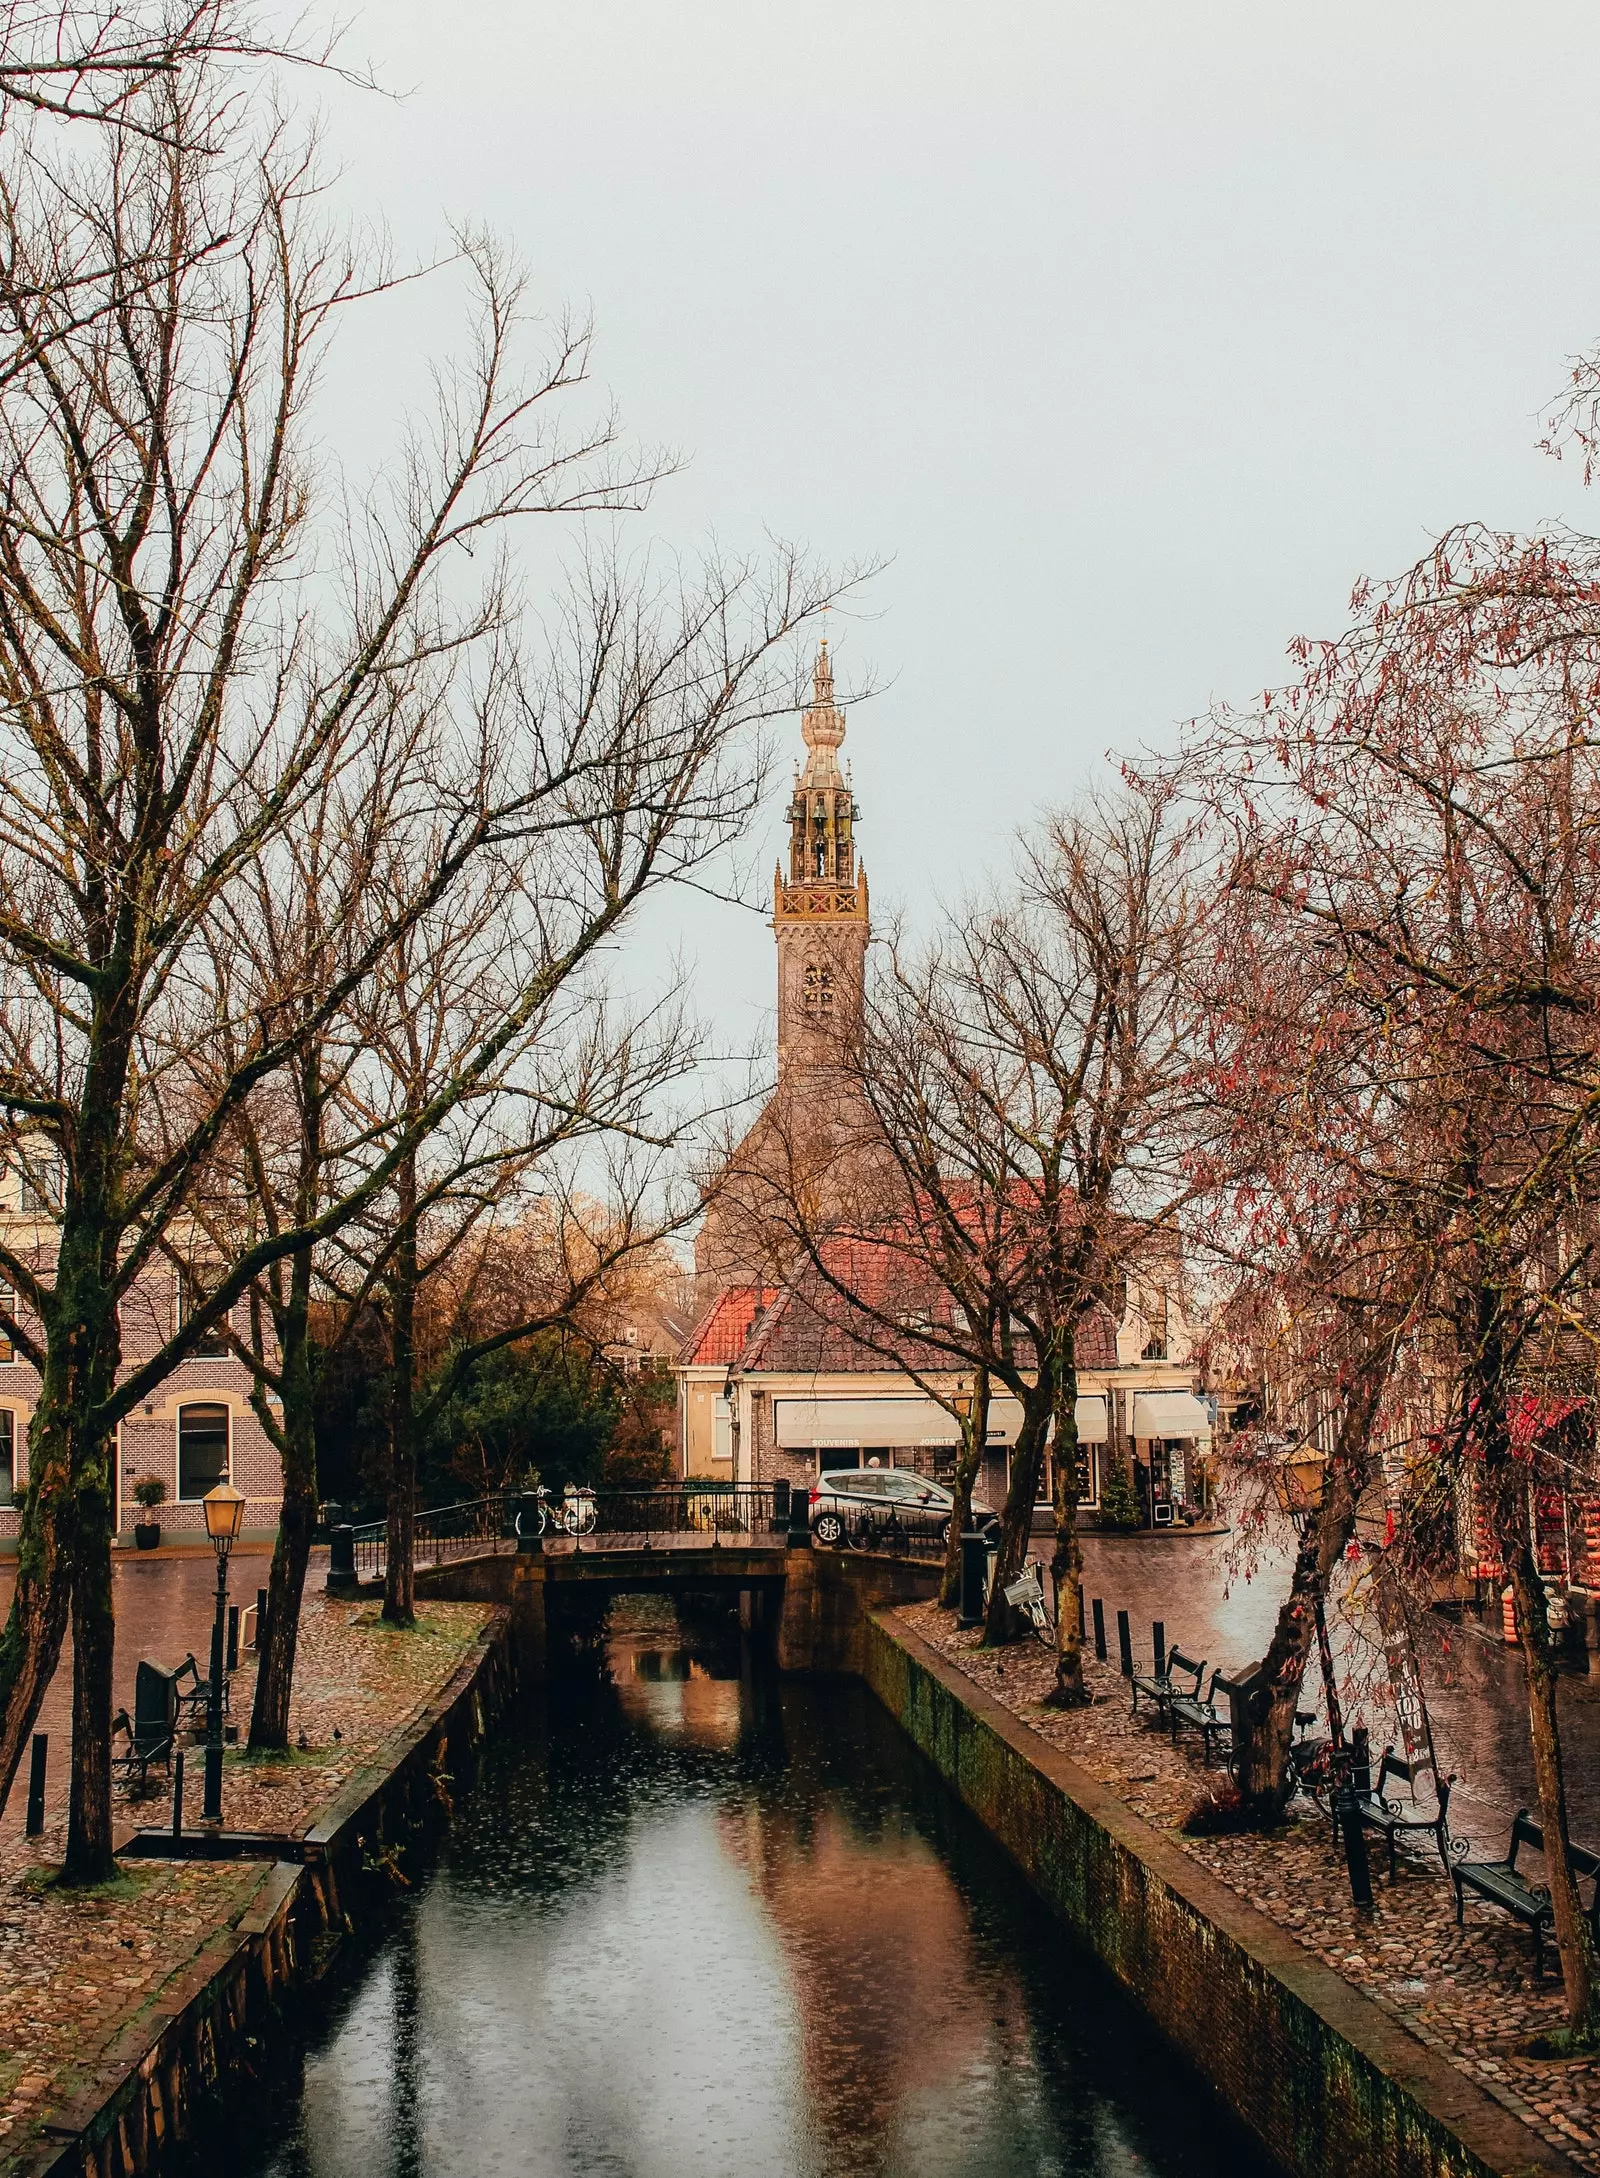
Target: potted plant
{"x":149,"y":1491}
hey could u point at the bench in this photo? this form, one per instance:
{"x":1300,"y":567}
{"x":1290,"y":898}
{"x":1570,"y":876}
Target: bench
{"x":1200,"y":1716}
{"x":1376,"y":1811}
{"x":149,"y":1737}
{"x":195,"y":1696}
{"x":1159,"y":1685}
{"x":1499,"y":1882}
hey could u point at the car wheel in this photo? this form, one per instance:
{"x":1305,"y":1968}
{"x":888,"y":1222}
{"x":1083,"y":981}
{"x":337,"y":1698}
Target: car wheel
{"x":828,"y":1528}
{"x":944,"y":1536}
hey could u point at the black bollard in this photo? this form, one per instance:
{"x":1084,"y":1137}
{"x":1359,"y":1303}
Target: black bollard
{"x":1124,"y":1645}
{"x":261,"y":1621}
{"x":974,"y":1572}
{"x":1099,"y":1629}
{"x":799,"y":1535}
{"x":177,"y":1794}
{"x":233,"y":1637}
{"x":1355,"y":1847}
{"x":41,"y":1748}
{"x":1158,"y":1644}
{"x":211,"y":1798}
{"x":342,"y":1562}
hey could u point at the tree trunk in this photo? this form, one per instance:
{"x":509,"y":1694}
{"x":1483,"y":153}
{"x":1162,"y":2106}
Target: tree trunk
{"x":89,"y":1858}
{"x":297,"y":1444}
{"x":974,"y":1443}
{"x":399,"y":1576}
{"x":1566,"y":1908}
{"x":1069,"y":1691}
{"x":1016,"y":1527}
{"x":36,"y":1625}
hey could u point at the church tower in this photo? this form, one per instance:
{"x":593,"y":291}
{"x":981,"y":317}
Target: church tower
{"x":819,"y":909}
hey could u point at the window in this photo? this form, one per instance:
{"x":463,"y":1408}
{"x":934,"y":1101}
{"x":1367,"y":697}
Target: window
{"x":40,"y":1181}
{"x":722,"y":1429}
{"x":8,"y":1455}
{"x":202,"y":1449}
{"x":213,"y":1344}
{"x":8,"y":1302}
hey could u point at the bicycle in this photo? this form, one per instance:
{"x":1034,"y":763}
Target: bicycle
{"x":575,"y":1514}
{"x":1026,"y":1595}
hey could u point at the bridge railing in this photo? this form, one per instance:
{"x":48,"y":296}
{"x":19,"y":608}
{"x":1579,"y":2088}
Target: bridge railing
{"x":711,"y":1514}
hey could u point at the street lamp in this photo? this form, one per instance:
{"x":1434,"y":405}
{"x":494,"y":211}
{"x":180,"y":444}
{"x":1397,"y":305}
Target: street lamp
{"x":224,"y":1515}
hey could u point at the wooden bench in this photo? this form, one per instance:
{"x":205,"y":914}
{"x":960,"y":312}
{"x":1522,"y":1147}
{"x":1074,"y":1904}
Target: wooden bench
{"x":1389,"y":1817}
{"x":194,"y":1693}
{"x":149,"y":1737}
{"x":1159,"y":1685}
{"x":1200,"y":1716}
{"x":1500,"y":1883}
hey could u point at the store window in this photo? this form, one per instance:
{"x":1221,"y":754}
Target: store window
{"x":202,"y":1449}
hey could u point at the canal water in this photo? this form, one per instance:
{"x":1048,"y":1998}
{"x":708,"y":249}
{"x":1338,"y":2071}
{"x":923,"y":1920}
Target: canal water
{"x":693,"y":1922}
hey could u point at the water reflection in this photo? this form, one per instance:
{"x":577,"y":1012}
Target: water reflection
{"x":695,"y":1921}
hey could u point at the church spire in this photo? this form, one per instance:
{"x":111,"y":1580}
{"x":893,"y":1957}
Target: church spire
{"x":821,"y":816}
{"x":820,"y":906}
{"x":822,"y":726}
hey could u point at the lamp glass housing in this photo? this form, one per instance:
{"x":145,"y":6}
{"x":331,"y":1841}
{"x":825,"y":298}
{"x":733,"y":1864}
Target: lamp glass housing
{"x":224,"y":1514}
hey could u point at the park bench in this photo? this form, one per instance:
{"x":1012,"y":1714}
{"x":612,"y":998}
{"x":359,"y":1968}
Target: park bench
{"x":1500,"y":1883}
{"x":1200,"y":1716}
{"x":1389,"y":1817}
{"x":1160,"y":1687}
{"x":149,"y":1737}
{"x":194,"y":1693}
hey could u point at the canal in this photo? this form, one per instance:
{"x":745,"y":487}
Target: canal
{"x":693,"y":1921}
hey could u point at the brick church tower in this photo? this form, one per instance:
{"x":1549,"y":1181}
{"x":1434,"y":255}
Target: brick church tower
{"x":819,"y":918}
{"x":819,"y":911}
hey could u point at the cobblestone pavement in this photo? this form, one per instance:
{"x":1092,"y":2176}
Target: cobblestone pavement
{"x":1469,"y":1992}
{"x":75,"y":1968}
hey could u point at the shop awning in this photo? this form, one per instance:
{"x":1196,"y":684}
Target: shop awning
{"x":1092,"y":1418}
{"x":1170,"y":1414}
{"x":802,"y":1423}
{"x":1005,"y":1419}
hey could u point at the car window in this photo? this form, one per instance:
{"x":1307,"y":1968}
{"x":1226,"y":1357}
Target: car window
{"x":908,"y":1486}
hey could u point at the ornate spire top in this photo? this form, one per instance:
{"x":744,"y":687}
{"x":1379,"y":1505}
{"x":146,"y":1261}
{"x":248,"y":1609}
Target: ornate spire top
{"x":822,"y":726}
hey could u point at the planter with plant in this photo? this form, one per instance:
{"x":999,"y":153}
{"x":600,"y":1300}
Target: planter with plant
{"x":149,"y":1491}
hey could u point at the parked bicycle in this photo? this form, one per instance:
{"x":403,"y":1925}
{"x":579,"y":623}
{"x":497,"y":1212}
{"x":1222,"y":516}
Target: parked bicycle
{"x":1026,"y":1594}
{"x":573,"y":1513}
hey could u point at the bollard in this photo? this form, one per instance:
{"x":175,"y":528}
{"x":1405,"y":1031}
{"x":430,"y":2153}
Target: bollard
{"x":799,"y":1535}
{"x":1124,"y":1645}
{"x":261,"y":1620}
{"x":211,"y":1799}
{"x":1158,"y":1644}
{"x":1099,"y":1629}
{"x":1355,"y":1847}
{"x":342,"y":1562}
{"x":35,"y":1820}
{"x":974,"y":1573}
{"x":233,"y":1637}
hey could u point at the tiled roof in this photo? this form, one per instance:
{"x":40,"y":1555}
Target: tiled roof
{"x":813,"y":1328}
{"x":720,"y":1335}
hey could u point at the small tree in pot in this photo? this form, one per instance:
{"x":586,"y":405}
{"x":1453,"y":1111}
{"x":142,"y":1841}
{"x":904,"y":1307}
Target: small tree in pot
{"x":149,"y":1491}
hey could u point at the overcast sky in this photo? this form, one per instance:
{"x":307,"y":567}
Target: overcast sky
{"x":1129,"y":334}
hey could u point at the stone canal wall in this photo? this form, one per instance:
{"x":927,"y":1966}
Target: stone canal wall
{"x":212,"y":2025}
{"x":1331,"y":2085}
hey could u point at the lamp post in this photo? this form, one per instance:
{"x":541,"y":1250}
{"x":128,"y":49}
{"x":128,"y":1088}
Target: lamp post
{"x":224,"y":1515}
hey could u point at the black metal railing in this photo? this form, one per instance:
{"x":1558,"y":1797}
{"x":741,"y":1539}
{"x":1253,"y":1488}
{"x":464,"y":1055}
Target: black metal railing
{"x":466,"y":1530}
{"x":684,"y":1515}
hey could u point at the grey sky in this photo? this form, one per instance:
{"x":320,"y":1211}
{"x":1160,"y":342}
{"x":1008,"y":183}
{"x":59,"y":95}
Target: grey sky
{"x":1131,"y":334}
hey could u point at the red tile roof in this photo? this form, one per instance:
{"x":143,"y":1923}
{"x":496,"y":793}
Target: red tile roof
{"x":720,"y":1335}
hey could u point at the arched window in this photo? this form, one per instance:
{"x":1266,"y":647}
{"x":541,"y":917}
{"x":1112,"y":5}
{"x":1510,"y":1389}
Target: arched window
{"x":822,"y":859}
{"x":202,"y":1449}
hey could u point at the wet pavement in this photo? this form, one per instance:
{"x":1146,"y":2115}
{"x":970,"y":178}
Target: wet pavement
{"x":164,"y":1603}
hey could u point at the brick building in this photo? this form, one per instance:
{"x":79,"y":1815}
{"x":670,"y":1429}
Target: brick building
{"x":197,"y":1429}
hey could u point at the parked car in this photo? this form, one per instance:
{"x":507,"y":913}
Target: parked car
{"x":855,"y":1504}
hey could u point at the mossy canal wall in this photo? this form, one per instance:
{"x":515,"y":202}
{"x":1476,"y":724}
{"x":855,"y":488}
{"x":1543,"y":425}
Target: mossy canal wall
{"x":1331,"y":2085}
{"x":216,"y":2022}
